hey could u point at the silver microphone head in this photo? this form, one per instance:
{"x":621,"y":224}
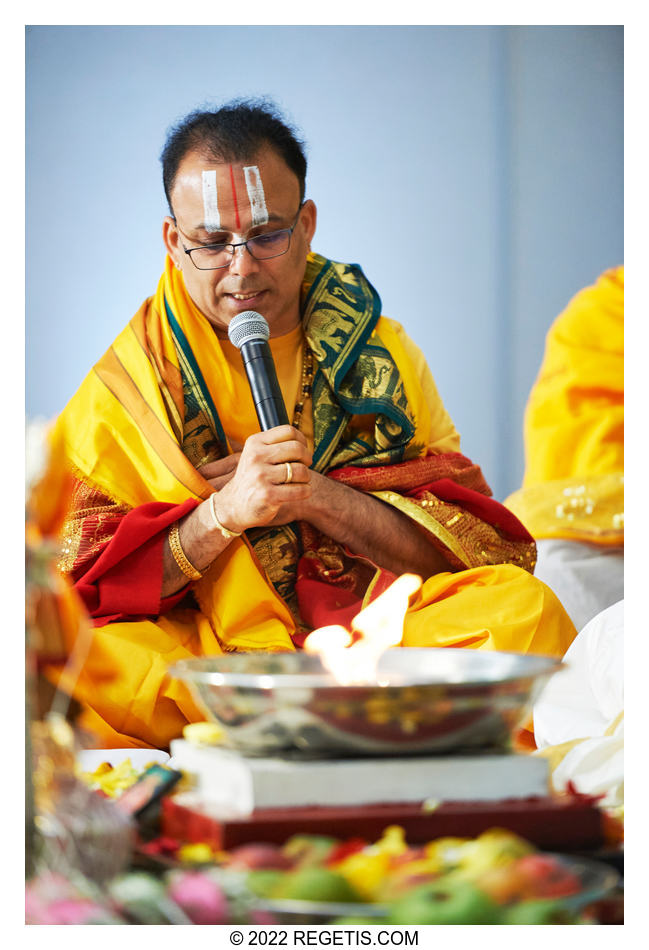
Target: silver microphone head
{"x":248,"y":326}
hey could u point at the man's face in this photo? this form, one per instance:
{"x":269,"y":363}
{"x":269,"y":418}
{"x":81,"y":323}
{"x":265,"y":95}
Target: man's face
{"x":218,"y":203}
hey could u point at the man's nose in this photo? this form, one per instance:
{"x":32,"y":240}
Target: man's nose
{"x":242,"y":262}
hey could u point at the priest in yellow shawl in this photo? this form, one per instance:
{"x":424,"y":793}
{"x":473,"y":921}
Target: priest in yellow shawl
{"x":192,"y":533}
{"x":572,"y":496}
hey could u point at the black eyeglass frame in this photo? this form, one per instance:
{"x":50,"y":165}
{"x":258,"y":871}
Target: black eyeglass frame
{"x":201,"y":247}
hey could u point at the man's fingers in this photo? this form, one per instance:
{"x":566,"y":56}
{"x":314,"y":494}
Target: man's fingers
{"x":283,"y":433}
{"x":258,"y":452}
{"x":290,"y":473}
{"x":224,"y":466}
{"x":290,"y":451}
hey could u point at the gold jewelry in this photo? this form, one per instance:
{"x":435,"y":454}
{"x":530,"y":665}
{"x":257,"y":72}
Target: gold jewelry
{"x":180,"y":557}
{"x":289,"y":473}
{"x":224,"y":531}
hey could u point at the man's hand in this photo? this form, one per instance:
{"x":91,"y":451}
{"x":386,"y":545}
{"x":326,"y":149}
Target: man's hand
{"x":252,"y":491}
{"x":251,"y":487}
{"x":220,"y":472}
{"x":367,"y":526}
{"x":257,"y":489}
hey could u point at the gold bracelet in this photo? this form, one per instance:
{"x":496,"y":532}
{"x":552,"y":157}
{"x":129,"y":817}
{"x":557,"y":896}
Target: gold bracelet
{"x":224,"y":531}
{"x":180,"y":557}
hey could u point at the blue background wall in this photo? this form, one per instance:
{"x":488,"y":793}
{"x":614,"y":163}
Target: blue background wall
{"x":476,"y":173}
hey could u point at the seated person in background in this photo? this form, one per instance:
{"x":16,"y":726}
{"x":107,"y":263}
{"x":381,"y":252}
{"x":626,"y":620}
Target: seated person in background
{"x":192,"y":533}
{"x":572,"y":497}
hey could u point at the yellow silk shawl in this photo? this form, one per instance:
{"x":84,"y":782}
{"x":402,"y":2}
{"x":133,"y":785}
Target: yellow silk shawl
{"x":126,"y":433}
{"x":123,"y":432}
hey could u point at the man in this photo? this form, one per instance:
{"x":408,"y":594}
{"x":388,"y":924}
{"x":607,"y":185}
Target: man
{"x":191,"y":532}
{"x":572,"y":497}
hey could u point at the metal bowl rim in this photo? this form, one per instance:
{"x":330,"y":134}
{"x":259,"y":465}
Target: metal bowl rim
{"x":323,"y":680}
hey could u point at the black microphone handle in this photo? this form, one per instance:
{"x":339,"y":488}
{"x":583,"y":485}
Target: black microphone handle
{"x":264,"y":386}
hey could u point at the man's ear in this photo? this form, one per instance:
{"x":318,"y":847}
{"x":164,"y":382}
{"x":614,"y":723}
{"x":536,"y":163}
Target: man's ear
{"x":308,"y":218}
{"x":172,"y":240}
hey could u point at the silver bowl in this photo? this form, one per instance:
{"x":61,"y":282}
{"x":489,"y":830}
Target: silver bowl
{"x":424,"y":701}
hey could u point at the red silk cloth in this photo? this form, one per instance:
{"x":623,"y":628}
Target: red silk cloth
{"x":450,"y":477}
{"x":124,"y":581}
{"x":332,"y":582}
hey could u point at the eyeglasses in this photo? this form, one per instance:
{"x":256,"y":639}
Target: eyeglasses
{"x":262,"y":248}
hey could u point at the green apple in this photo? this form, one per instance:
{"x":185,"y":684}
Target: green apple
{"x":445,"y":902}
{"x":316,"y":884}
{"x":308,"y":850}
{"x":542,"y":911}
{"x":263,"y":882}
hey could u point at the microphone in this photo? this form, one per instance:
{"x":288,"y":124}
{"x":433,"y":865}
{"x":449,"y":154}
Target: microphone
{"x":249,"y":332}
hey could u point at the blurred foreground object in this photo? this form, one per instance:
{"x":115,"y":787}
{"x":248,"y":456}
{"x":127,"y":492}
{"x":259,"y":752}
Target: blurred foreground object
{"x":496,"y":877}
{"x":579,"y":716}
{"x":54,"y":614}
{"x":67,"y":827}
{"x":79,"y":833}
{"x":572,"y":497}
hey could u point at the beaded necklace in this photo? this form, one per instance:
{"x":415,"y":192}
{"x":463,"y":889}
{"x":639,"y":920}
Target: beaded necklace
{"x":308,"y":372}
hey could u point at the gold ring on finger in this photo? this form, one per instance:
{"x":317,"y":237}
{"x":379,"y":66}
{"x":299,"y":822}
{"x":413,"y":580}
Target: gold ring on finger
{"x":289,"y":473}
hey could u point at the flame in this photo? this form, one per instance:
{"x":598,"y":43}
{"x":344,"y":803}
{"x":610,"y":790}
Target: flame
{"x":380,"y":626}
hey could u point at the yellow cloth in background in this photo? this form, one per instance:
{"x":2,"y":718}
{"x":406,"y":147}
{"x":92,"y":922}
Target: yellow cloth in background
{"x":123,"y":434}
{"x":573,"y":485}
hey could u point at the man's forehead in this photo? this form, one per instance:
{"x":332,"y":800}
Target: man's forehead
{"x":252,"y":191}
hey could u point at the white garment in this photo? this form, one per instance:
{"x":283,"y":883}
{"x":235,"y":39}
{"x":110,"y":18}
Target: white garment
{"x":586,"y":578}
{"x":584,"y":701}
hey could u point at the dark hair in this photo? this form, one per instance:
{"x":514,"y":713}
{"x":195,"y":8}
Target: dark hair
{"x":235,"y":132}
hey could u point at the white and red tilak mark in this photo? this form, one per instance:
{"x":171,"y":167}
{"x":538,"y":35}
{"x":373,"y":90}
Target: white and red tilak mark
{"x":210,"y":202}
{"x":234,"y":198}
{"x":256,"y":195}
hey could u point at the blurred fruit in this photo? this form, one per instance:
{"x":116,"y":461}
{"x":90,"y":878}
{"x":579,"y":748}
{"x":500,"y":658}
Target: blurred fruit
{"x":392,"y":841}
{"x":199,"y":896}
{"x":412,"y":854}
{"x":366,"y":872}
{"x":538,"y":912}
{"x":309,"y":850}
{"x":196,"y":853}
{"x":446,"y":853}
{"x":264,"y":882}
{"x":502,"y":883}
{"x":80,"y":911}
{"x":316,"y":884}
{"x":343,"y":849}
{"x":140,"y":896}
{"x":262,"y":918}
{"x":543,"y":875}
{"x":493,"y":848}
{"x":444,"y":902}
{"x":404,"y":877}
{"x":249,"y":856}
